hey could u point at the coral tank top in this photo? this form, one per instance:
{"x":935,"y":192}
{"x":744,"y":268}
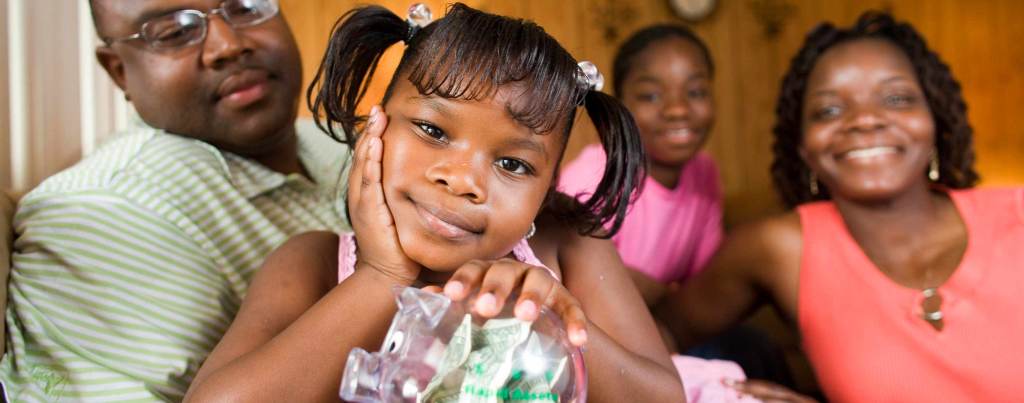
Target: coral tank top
{"x":863,"y":332}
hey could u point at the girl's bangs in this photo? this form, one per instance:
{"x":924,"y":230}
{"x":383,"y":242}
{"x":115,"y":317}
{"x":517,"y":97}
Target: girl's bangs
{"x":470,"y":56}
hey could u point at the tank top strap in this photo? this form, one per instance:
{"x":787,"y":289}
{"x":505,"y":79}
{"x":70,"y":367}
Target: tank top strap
{"x":524,"y":253}
{"x":346,"y":255}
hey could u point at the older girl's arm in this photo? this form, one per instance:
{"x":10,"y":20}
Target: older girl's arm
{"x":757,"y":263}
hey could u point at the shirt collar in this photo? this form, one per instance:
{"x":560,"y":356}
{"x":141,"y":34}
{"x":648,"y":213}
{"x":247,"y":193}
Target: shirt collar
{"x":325,"y":159}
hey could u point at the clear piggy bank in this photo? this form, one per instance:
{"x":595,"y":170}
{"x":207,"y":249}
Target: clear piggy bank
{"x":437,"y":351}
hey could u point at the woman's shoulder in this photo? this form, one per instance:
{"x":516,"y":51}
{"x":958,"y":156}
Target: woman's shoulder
{"x":992,"y":200}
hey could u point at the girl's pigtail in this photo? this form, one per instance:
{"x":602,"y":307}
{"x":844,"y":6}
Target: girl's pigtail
{"x":624,"y":169}
{"x":358,"y":40}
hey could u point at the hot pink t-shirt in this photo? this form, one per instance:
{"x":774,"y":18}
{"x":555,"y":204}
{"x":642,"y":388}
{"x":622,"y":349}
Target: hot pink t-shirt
{"x":863,"y":332}
{"x":668,"y":234}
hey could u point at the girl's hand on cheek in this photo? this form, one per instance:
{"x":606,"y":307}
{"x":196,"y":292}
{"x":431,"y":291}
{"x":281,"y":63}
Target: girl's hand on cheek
{"x":372,"y":222}
{"x":497,"y":279}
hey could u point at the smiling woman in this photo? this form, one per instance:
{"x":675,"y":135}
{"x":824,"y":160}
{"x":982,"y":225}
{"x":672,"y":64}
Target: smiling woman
{"x":890,"y":266}
{"x":845,"y":98}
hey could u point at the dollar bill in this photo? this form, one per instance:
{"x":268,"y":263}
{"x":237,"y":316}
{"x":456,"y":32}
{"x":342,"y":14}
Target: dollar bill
{"x":449,"y":373}
{"x":481,"y":370}
{"x":490,"y":366}
{"x":530,"y":388}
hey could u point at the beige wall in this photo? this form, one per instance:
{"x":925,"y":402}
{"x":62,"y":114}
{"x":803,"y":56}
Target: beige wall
{"x":5,"y":128}
{"x":57,"y":103}
{"x":68,"y":105}
{"x":977,"y":38}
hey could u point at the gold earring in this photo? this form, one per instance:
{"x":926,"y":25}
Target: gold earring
{"x":933,"y":168}
{"x":814,"y":184}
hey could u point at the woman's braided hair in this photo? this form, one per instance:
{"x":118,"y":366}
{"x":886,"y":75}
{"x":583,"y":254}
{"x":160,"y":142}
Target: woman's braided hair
{"x":953,"y":139}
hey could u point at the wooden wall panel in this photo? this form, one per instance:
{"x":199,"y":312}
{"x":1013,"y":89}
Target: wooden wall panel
{"x":976,"y":38}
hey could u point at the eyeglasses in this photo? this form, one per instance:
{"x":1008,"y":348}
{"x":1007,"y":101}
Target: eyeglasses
{"x":188,"y":27}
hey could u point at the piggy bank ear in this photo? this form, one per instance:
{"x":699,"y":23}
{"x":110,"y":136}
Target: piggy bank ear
{"x":430,"y":306}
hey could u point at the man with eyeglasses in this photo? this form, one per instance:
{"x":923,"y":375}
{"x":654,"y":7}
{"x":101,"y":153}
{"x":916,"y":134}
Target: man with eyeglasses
{"x":129,"y":266}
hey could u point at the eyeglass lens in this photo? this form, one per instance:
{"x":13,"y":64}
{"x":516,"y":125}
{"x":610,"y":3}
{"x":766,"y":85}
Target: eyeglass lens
{"x":187,"y":27}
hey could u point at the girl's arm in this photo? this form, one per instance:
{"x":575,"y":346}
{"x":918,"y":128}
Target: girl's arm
{"x":290,"y":338}
{"x":757,"y":263}
{"x":296,"y":326}
{"x":626,"y":359}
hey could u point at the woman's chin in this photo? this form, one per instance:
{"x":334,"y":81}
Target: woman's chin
{"x":872,"y":195}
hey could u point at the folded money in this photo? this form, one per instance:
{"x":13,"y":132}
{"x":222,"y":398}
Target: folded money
{"x":438,"y":351}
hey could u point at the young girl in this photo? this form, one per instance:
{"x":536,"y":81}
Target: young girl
{"x":903,"y":281}
{"x":663,"y":76}
{"x":445,"y":190}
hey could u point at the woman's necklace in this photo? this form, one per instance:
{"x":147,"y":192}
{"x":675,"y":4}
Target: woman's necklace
{"x":931,"y":307}
{"x":931,"y":304}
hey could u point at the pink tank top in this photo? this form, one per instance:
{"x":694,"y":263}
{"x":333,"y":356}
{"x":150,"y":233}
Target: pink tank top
{"x":347,"y":256}
{"x":863,"y":333}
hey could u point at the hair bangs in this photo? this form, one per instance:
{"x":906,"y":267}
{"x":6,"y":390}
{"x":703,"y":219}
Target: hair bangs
{"x":471,"y":55}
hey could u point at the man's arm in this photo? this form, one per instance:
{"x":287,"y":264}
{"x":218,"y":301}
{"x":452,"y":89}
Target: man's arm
{"x":108,"y":300}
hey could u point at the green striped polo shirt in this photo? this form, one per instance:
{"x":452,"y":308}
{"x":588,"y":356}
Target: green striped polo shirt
{"x":129,"y":266}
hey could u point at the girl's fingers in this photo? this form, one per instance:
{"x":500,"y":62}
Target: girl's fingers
{"x":768,"y":391}
{"x":355,"y":174}
{"x":541,"y":289}
{"x":359,"y":155}
{"x":501,"y":278}
{"x":371,"y":195}
{"x":538,"y":286}
{"x":497,"y":280}
{"x":465,"y":279}
{"x":433,"y":289}
{"x":569,"y":309}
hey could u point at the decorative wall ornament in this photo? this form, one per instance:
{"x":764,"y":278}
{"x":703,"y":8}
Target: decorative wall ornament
{"x":612,"y":16}
{"x":772,"y":15}
{"x":693,"y":10}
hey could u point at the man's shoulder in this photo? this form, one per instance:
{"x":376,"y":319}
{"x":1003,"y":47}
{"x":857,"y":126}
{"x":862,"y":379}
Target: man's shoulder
{"x":142,"y":155}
